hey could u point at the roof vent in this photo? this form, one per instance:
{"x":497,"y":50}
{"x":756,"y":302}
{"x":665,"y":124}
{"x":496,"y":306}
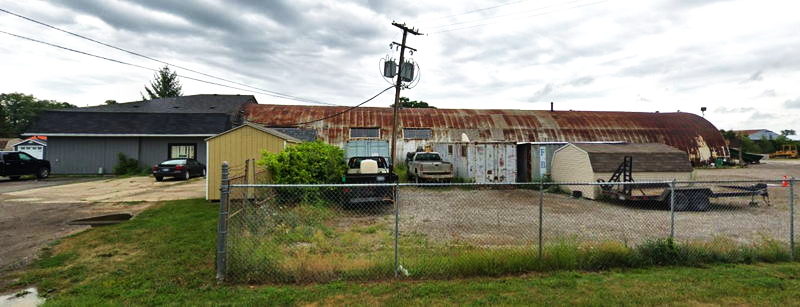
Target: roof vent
{"x":135,"y":106}
{"x":212,"y":107}
{"x":176,"y":107}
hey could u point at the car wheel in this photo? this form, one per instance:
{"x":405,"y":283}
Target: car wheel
{"x":14,"y":177}
{"x":159,"y":178}
{"x":186,"y":175}
{"x":43,"y":173}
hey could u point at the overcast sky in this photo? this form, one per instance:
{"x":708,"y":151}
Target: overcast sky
{"x":740,"y":59}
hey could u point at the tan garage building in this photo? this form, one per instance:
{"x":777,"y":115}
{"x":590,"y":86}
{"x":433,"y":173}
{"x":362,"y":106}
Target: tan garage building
{"x":238,"y":145}
{"x":586,"y":162}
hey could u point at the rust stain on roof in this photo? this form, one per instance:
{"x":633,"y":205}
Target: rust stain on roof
{"x":688,"y":132}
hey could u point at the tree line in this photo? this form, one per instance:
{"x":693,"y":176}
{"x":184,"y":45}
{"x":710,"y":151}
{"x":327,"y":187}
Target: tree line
{"x":762,"y":146}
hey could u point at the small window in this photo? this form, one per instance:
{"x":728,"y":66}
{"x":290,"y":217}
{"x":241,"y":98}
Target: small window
{"x":417,"y":133}
{"x":450,"y":149}
{"x":373,"y":133}
{"x":25,"y":157}
{"x":182,"y":151}
{"x":464,"y":151}
{"x":11,"y":156}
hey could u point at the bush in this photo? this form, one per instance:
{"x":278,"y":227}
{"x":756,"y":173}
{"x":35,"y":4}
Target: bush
{"x":306,"y":163}
{"x":127,"y":166}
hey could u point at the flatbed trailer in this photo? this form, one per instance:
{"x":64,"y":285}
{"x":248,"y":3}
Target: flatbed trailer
{"x":686,"y":198}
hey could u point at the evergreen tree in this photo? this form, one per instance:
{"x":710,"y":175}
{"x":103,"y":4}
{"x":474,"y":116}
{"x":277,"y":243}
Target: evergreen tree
{"x":166,"y":84}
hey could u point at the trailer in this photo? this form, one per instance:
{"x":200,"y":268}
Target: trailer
{"x":685,"y":198}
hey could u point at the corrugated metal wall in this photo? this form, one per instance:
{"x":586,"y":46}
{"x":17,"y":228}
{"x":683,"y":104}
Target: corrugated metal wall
{"x":483,"y":163}
{"x":236,"y":146}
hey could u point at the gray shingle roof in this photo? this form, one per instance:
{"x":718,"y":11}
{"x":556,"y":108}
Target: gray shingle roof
{"x":647,"y":157}
{"x":305,"y":135}
{"x":66,"y":122}
{"x":206,"y":103}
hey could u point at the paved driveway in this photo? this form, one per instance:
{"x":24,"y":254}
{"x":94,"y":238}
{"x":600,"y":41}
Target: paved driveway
{"x":36,"y":212}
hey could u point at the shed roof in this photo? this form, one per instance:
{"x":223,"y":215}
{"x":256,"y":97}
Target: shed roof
{"x":263,"y":129}
{"x":648,"y":157}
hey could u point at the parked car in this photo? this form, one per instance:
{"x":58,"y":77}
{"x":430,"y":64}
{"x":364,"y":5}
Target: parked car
{"x":364,"y":170}
{"x":425,"y":166}
{"x":179,"y":168}
{"x":14,"y":164}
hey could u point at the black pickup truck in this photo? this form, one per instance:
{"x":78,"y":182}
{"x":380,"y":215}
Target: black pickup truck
{"x":14,"y":164}
{"x":366,"y":170}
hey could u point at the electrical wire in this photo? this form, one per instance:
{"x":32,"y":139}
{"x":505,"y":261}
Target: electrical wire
{"x":286,"y":96}
{"x":474,"y":11}
{"x":526,"y":16}
{"x":144,"y":67}
{"x":346,"y":110}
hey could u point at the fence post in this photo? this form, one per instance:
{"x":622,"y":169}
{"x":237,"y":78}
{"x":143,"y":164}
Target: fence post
{"x":222,"y":224}
{"x":396,"y":229}
{"x":791,"y":218}
{"x":541,"y":219}
{"x":672,"y":209}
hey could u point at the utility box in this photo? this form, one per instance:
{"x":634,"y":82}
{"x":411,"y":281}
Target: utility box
{"x":407,"y":73}
{"x":389,"y":69}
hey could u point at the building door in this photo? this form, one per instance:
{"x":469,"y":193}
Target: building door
{"x":33,"y":150}
{"x":182,"y":151}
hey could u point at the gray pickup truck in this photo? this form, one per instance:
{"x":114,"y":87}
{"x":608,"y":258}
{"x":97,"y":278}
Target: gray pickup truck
{"x":428,"y":166}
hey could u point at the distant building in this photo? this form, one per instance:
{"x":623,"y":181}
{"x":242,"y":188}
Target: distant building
{"x":34,"y":146}
{"x":758,"y":134}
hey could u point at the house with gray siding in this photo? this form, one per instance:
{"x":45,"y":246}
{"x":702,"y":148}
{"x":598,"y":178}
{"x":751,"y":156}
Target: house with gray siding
{"x":89,"y":140}
{"x":758,"y":134}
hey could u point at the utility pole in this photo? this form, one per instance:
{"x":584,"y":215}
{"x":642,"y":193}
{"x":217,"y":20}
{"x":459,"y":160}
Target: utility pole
{"x":399,"y":85}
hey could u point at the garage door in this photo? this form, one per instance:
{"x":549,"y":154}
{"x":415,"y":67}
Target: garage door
{"x":35,"y":151}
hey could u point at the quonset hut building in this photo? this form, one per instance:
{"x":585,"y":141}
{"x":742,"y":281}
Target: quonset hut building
{"x":367,"y":131}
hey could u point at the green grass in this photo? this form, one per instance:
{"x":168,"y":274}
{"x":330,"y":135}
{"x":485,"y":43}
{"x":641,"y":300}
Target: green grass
{"x":166,"y":256}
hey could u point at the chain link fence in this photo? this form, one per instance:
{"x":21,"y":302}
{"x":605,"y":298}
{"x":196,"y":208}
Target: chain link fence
{"x":310,"y":233}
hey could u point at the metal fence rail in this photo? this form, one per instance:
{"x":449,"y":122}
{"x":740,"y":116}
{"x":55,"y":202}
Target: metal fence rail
{"x":303,"y":233}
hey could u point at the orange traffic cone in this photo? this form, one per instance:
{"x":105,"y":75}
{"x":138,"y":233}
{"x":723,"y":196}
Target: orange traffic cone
{"x":785,"y":183}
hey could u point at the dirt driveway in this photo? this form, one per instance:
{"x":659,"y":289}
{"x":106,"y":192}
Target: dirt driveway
{"x":31,"y":218}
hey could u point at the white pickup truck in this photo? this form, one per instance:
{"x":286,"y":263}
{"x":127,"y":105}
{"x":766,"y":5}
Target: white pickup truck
{"x":428,"y":166}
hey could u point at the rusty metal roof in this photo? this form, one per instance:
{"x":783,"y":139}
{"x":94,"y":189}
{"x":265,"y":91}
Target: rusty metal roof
{"x":688,"y":132}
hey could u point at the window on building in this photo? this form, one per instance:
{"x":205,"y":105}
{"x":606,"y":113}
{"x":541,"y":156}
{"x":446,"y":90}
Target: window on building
{"x":450,"y":149}
{"x":182,"y":151}
{"x":373,"y":133}
{"x":417,"y":133}
{"x":464,"y":151}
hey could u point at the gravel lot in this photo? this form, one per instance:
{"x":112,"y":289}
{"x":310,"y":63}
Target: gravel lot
{"x":510,"y":217}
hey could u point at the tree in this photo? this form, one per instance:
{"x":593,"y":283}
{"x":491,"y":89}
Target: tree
{"x":166,"y":84}
{"x":788,"y":132}
{"x":306,"y":163}
{"x":406,"y":103}
{"x":111,"y":101}
{"x":17,"y":112}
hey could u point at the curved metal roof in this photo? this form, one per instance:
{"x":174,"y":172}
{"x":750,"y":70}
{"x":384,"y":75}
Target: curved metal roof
{"x":686,"y":131}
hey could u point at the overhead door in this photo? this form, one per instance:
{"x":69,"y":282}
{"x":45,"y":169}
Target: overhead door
{"x":367,"y":148}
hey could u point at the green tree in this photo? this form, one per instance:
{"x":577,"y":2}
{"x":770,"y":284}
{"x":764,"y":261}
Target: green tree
{"x":18,"y":111}
{"x":306,"y":163}
{"x":111,"y":101}
{"x":407,"y":103}
{"x":165,"y":84}
{"x":788,"y":132}
{"x":766,"y":145}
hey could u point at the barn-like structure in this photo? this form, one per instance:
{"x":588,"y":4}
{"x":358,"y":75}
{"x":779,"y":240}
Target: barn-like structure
{"x":418,"y":127}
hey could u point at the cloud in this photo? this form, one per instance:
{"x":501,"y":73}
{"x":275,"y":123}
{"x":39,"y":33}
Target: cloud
{"x":542,"y":93}
{"x":756,"y":76}
{"x":734,"y":110}
{"x":792,"y":103}
{"x":581,"y":81}
{"x":768,"y":93}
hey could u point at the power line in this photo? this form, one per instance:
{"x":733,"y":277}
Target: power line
{"x":346,"y":110}
{"x":144,"y":67}
{"x":526,"y":16}
{"x":286,"y":96}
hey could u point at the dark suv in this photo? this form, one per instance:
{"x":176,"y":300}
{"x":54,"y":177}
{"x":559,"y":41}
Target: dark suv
{"x":14,"y":164}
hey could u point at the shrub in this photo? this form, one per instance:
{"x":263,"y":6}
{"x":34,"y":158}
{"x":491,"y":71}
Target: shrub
{"x":306,"y":163}
{"x":127,"y":166}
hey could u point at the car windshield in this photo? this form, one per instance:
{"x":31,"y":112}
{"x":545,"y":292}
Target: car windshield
{"x":173,"y":162}
{"x":356,"y":162}
{"x":428,"y":157}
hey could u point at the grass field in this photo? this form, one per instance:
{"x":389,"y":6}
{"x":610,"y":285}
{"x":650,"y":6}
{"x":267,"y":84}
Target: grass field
{"x":166,"y":256}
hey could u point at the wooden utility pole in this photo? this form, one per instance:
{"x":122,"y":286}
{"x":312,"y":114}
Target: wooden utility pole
{"x":399,"y":85}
